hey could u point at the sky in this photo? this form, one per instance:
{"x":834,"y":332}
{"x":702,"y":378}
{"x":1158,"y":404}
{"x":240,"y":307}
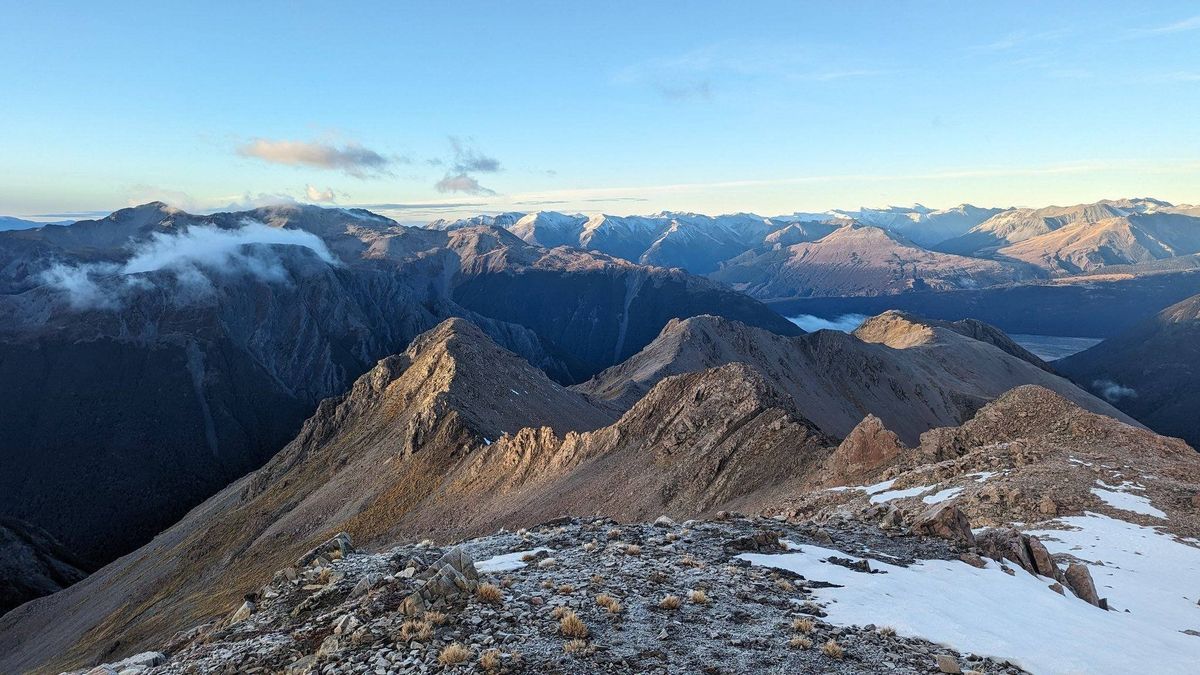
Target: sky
{"x":424,"y":110}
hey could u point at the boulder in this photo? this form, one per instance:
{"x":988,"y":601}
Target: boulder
{"x":339,"y":543}
{"x":946,"y":521}
{"x":1079,"y":579}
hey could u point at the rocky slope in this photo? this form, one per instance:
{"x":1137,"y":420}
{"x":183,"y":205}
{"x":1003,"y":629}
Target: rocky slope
{"x":456,"y":437}
{"x":859,"y":260}
{"x":205,"y":324}
{"x":33,"y":564}
{"x":922,"y":571}
{"x":913,"y":374}
{"x":1064,"y":241}
{"x":1151,"y":371}
{"x":1082,"y":247}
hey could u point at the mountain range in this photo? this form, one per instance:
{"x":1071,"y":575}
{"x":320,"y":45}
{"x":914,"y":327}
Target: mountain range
{"x":867,"y":252}
{"x":202,"y":412}
{"x":456,"y":436}
{"x":153,"y":356}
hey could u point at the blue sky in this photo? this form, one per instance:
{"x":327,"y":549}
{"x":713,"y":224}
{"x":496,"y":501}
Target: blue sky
{"x":620,"y":107}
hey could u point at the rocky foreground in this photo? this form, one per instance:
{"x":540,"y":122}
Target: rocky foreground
{"x":570,"y":596}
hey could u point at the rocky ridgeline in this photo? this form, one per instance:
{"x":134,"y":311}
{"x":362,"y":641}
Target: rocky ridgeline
{"x":569,"y":596}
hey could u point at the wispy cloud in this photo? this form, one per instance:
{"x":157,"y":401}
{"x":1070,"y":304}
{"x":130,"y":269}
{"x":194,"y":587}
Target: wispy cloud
{"x":462,"y":183}
{"x":352,"y":159}
{"x":1074,"y":168}
{"x":418,"y":206}
{"x":1022,"y":38}
{"x":466,"y":160}
{"x":1183,"y":25}
{"x":699,"y":75}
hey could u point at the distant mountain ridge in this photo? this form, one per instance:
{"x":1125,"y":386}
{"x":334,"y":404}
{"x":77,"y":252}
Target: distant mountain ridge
{"x":906,"y":252}
{"x":223,"y":332}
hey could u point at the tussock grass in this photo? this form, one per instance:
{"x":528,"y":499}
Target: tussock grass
{"x":572,"y":626}
{"x":453,"y":654}
{"x":609,"y":603}
{"x":802,"y":625}
{"x":490,"y":660}
{"x":490,"y":594}
{"x":833,"y":650}
{"x":799,"y":642}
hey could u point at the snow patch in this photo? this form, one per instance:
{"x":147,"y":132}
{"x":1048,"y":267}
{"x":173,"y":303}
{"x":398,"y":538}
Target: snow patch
{"x":1127,"y":502}
{"x":506,"y":562}
{"x":942,"y":495}
{"x":1018,"y":618}
{"x":899,"y":494}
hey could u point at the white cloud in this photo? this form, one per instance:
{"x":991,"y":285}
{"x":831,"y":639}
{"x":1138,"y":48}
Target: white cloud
{"x":192,"y":257}
{"x":352,"y":158}
{"x":1113,"y":392}
{"x":316,"y":195}
{"x":462,"y":183}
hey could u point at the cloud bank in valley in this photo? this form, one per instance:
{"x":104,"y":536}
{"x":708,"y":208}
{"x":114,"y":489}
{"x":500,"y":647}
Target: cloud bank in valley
{"x":844,"y":323}
{"x":192,"y":257}
{"x":1113,"y":392}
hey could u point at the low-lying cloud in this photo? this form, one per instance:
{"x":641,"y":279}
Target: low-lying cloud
{"x":193,"y":258}
{"x":1113,"y":392}
{"x":352,"y":159}
{"x":845,"y":323}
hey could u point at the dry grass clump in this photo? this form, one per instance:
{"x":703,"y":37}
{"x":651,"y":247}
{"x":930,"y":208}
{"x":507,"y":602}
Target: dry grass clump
{"x":608,"y":602}
{"x":566,"y":589}
{"x":887,"y":631}
{"x":614,"y":533}
{"x":547,"y":563}
{"x":802,"y":625}
{"x":591,"y":546}
{"x":490,"y":660}
{"x":528,"y":557}
{"x":833,"y":650}
{"x":489,"y":593}
{"x":426,"y":543}
{"x":698,"y":596}
{"x":453,"y":654}
{"x":577,"y":646}
{"x":671,"y":536}
{"x":413,"y":629}
{"x":547,"y":584}
{"x":596,"y":580}
{"x":506,"y":582}
{"x":572,"y":626}
{"x":633,"y":549}
{"x":436,"y":618}
{"x":784,"y":585}
{"x":669,"y":602}
{"x":799,"y":642}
